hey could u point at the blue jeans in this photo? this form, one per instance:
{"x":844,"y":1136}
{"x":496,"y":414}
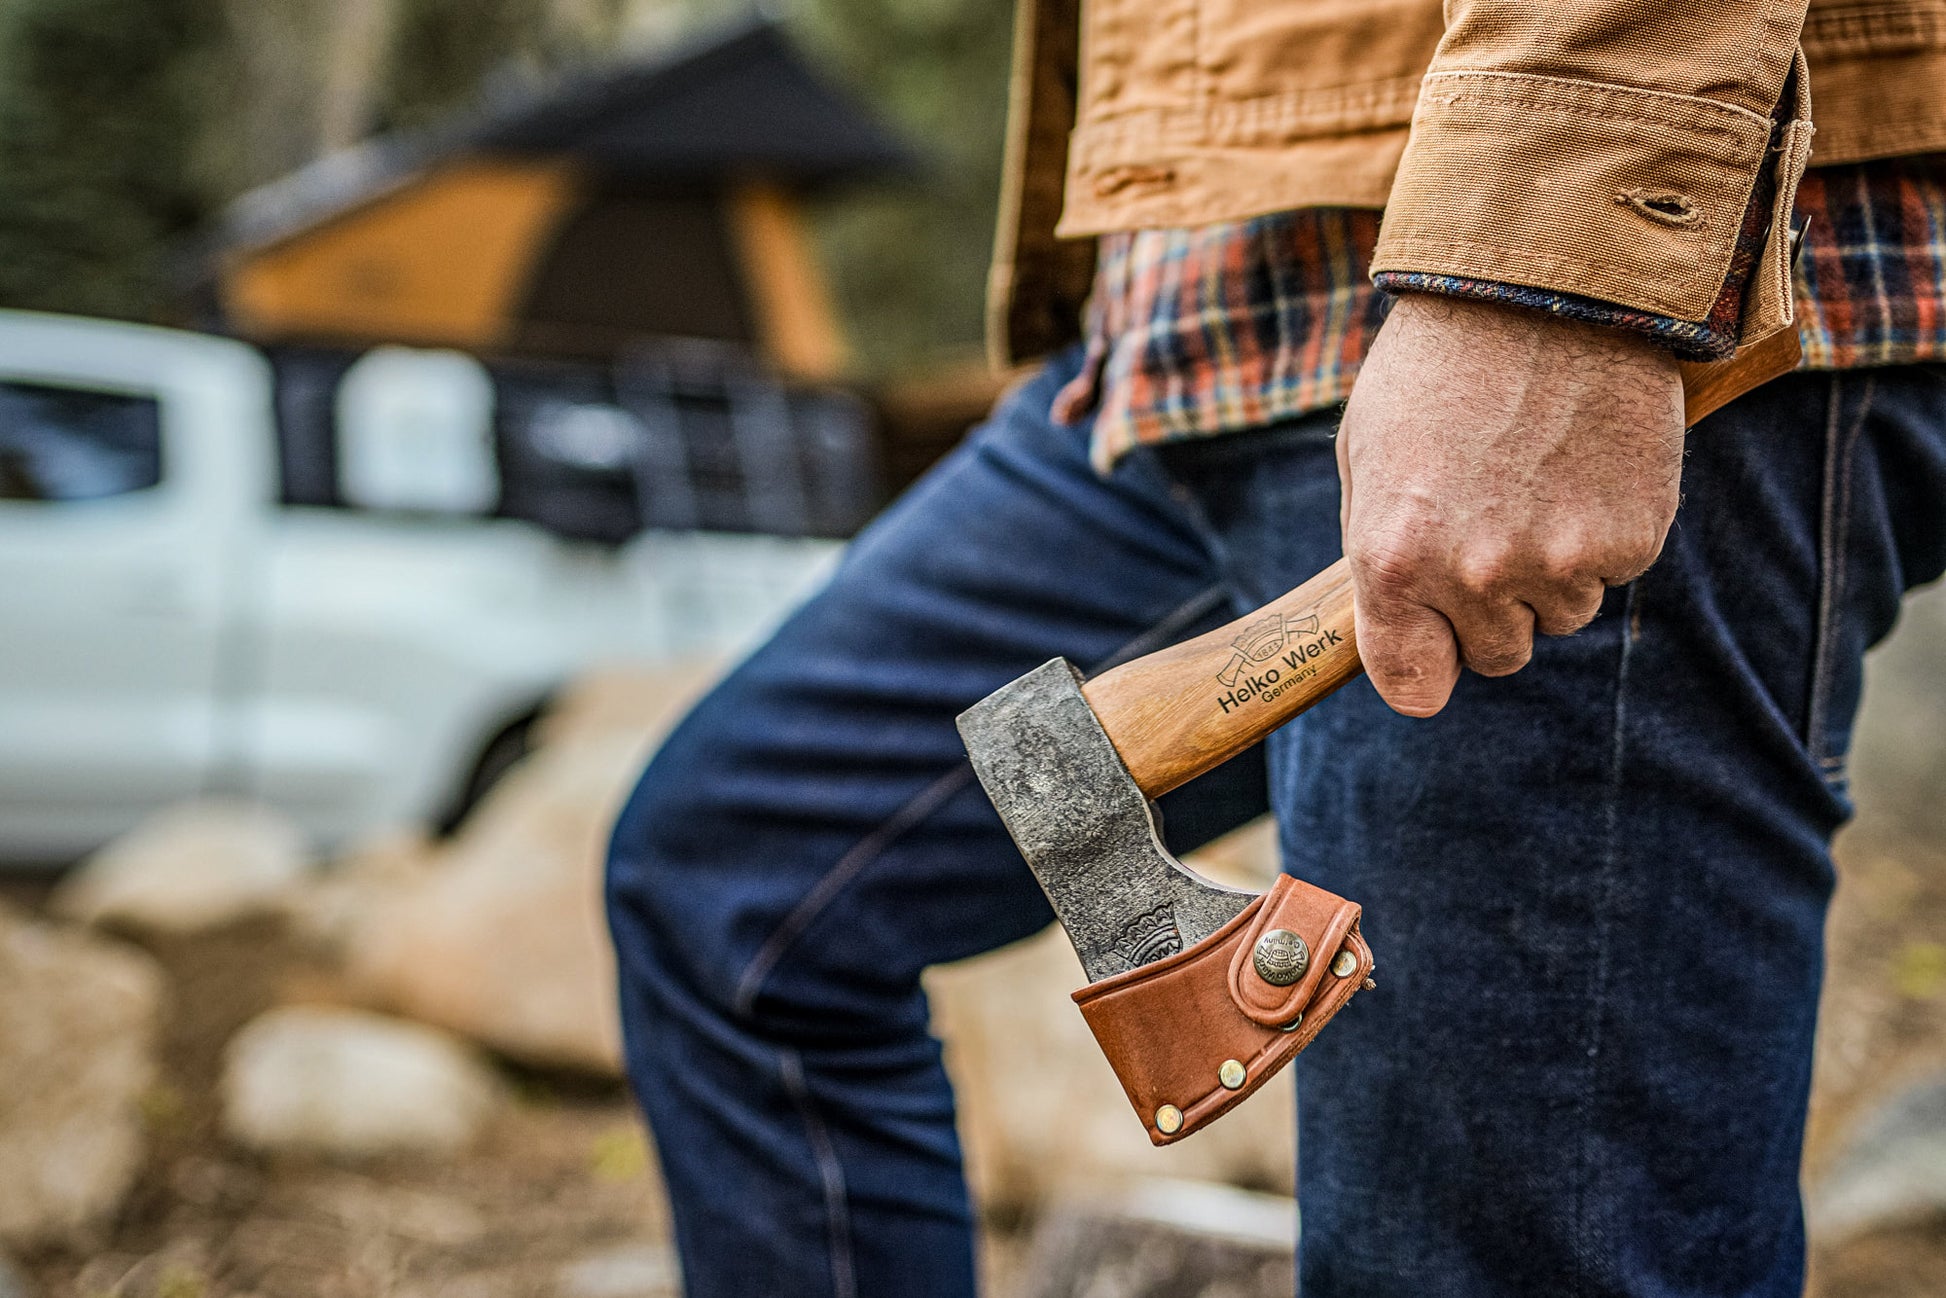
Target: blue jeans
{"x":1596,"y":889}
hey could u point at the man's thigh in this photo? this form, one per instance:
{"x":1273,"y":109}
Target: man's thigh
{"x":1596,"y":889}
{"x":811,"y":837}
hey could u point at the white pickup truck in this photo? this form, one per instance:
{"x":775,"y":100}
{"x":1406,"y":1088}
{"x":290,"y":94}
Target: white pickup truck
{"x":170,"y":628}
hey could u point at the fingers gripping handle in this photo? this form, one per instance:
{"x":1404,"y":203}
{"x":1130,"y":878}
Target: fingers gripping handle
{"x":1181,"y":711}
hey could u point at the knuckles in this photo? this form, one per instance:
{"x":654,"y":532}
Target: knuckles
{"x":1486,"y":570}
{"x":1428,"y":568}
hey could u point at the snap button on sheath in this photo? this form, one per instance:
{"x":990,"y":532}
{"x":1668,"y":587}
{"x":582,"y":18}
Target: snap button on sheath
{"x":1231,"y":1075}
{"x":1281,"y":957}
{"x":1168,"y":1119}
{"x":1344,"y":964}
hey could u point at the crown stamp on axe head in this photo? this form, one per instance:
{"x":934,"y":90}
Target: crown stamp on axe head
{"x":1199,"y":993}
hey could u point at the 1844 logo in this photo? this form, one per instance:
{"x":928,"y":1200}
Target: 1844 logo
{"x":1273,"y":653}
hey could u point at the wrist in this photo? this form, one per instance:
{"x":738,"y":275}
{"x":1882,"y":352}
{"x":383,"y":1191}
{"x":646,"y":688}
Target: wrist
{"x":1512,"y":337}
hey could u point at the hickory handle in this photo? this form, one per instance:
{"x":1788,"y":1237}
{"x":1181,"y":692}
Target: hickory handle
{"x":1181,"y":711}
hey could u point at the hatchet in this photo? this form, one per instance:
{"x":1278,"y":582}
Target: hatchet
{"x":1199,"y":993}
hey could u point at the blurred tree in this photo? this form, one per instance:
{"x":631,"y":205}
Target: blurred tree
{"x":308,"y":79}
{"x":445,"y":52}
{"x":100,"y":176}
{"x":126,"y":124}
{"x":910,"y":262}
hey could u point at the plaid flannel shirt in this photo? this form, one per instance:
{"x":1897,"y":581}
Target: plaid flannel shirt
{"x":1222,"y":328}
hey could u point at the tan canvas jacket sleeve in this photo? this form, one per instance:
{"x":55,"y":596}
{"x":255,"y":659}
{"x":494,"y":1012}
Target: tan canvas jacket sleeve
{"x":1604,"y":147}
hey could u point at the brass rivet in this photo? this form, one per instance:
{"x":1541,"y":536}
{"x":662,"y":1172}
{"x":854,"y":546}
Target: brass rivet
{"x":1345,"y":964}
{"x":1231,"y":1075}
{"x":1281,"y":957}
{"x":1294,"y":1024}
{"x":1168,"y":1119}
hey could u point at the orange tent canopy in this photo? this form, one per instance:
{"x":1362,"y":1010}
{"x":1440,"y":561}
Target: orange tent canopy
{"x":655,"y":200}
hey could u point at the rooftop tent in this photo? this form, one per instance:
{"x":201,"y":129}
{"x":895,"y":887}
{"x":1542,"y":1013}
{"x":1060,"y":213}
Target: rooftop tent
{"x":656,"y":200}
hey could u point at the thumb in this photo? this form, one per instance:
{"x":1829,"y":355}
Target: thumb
{"x":1409,"y":650}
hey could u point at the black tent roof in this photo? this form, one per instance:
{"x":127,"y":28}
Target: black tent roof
{"x":741,"y":102}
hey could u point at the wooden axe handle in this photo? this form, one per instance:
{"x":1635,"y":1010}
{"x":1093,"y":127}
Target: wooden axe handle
{"x":1180,"y":711}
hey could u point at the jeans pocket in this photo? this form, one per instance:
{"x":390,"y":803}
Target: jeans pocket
{"x":1836,"y":668}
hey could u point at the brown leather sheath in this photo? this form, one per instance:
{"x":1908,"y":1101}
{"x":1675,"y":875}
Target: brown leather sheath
{"x":1171,"y":1027}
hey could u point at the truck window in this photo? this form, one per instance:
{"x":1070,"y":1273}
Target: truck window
{"x":61,"y":443}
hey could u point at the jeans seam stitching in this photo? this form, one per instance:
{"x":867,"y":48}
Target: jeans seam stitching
{"x":1813,"y":708}
{"x":831,"y":1174}
{"x":1611,"y":833}
{"x":1847,"y":462}
{"x":911,"y":813}
{"x":1834,"y":531}
{"x":914,"y":811}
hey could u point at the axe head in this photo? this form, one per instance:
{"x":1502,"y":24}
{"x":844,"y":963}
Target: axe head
{"x":1087,"y":831}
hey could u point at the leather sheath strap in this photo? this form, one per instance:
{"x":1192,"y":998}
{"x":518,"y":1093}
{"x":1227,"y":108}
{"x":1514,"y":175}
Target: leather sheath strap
{"x":1196,"y":1033}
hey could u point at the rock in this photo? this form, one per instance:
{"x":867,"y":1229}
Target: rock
{"x":1898,"y":762}
{"x":78,"y":1024}
{"x":1891,"y":1171}
{"x":1165,"y":1239}
{"x":188,"y":868}
{"x":350,"y":1084}
{"x":636,"y":703}
{"x":179,"y":1269}
{"x":630,"y":1271}
{"x":502,"y":937}
{"x":12,"y":1283}
{"x":329,"y":908}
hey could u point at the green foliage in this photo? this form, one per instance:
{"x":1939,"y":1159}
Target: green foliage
{"x":910,"y":262}
{"x":125,"y":125}
{"x":444,"y":51}
{"x":100,"y":104}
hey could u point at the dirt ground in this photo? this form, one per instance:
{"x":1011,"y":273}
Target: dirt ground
{"x":1883,"y":1022}
{"x":561,"y":1197}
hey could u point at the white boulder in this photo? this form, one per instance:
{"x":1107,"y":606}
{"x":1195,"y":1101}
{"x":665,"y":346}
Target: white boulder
{"x":643,"y":1270}
{"x":1890,"y":1172}
{"x":78,"y":1025}
{"x":187,"y":868}
{"x":1165,"y":1239}
{"x":351,"y":1084}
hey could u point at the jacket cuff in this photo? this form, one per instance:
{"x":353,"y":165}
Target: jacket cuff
{"x":1600,"y":198}
{"x":1688,"y":340}
{"x":1712,"y":338}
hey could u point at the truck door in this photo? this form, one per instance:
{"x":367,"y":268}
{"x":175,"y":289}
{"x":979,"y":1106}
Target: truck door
{"x":117,"y":575}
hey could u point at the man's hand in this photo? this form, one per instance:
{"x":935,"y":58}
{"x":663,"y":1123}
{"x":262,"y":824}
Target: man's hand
{"x":1500,"y":468}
